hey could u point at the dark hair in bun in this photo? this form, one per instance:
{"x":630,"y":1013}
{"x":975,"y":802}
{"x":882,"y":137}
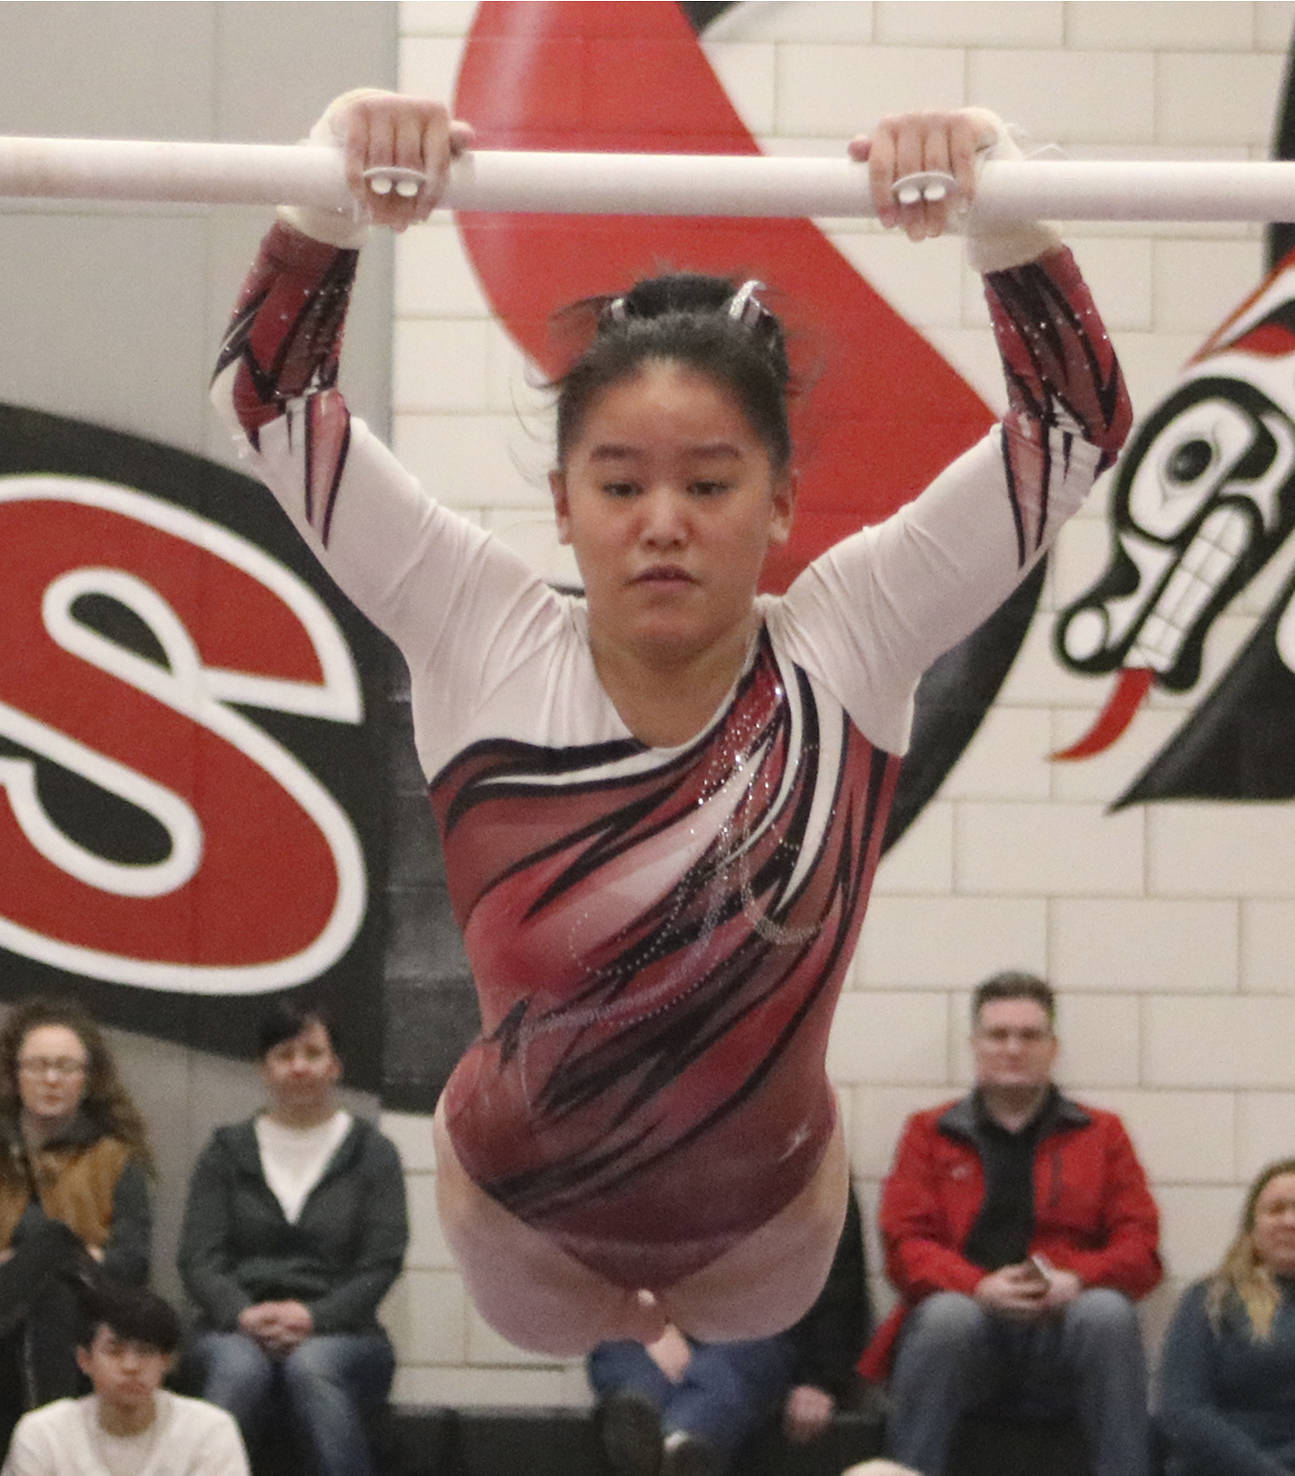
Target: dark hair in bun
{"x":711,"y":324}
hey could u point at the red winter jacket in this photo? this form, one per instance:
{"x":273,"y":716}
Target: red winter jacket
{"x":1093,"y":1213}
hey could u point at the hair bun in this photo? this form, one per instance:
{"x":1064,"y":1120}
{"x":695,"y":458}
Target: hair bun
{"x":708,"y":323}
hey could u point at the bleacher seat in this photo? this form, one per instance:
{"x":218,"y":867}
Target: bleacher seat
{"x":993,"y":1445}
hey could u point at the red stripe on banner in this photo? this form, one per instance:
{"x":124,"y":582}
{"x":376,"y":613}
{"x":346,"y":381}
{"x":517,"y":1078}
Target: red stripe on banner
{"x":884,"y":412}
{"x":1115,"y":717}
{"x":1268,"y":340}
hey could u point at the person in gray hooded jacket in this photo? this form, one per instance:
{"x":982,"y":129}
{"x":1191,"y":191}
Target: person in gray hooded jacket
{"x":294,"y":1230}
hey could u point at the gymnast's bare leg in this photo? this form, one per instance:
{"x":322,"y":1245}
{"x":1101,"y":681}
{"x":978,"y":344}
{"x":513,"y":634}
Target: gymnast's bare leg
{"x":539,"y":1297}
{"x":788,"y":1258}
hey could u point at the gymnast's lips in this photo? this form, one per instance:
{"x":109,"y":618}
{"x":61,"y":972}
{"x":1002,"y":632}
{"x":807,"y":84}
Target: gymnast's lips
{"x":664,"y":574}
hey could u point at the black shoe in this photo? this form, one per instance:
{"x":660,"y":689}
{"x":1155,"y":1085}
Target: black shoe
{"x":686,"y":1455}
{"x":629,"y":1428}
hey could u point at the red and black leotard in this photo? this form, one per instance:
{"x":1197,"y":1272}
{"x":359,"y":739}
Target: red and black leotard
{"x":658,"y":936}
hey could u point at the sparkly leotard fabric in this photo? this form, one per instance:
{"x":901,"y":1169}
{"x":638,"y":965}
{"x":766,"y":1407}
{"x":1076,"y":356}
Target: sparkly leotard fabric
{"x":658,"y":936}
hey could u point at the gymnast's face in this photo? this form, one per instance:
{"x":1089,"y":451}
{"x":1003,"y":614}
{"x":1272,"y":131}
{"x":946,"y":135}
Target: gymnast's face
{"x":1274,"y":1227}
{"x":670,"y":502}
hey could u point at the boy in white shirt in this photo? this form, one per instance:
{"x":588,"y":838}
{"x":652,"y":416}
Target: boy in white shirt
{"x":129,"y":1425}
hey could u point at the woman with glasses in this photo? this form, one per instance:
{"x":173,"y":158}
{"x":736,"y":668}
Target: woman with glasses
{"x":74,"y":1194}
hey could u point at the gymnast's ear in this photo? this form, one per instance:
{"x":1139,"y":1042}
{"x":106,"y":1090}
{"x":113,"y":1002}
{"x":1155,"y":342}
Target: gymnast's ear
{"x":561,"y":507}
{"x":785,"y":487}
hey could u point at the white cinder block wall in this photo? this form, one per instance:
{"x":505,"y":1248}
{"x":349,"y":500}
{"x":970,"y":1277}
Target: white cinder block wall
{"x":1169,"y":929}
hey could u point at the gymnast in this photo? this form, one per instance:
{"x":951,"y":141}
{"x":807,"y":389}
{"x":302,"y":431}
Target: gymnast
{"x":662,"y":801}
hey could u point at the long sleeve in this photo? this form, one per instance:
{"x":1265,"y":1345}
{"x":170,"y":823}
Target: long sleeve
{"x":1127,"y":1259}
{"x":52,"y":1440}
{"x":206,"y":1258}
{"x":1190,"y":1410}
{"x":1063,"y":380}
{"x":339,"y":1256}
{"x":920,"y":1255}
{"x":127,"y":1256}
{"x":285,"y":338}
{"x":461,"y":606}
{"x":883,"y":604}
{"x":26,"y":1458}
{"x":352,"y":1301}
{"x":215,"y":1445}
{"x":357,"y":509}
{"x":222,"y":1454}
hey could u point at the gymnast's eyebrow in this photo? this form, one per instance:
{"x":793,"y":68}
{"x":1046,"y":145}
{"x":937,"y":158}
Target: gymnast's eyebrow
{"x":707,"y":450}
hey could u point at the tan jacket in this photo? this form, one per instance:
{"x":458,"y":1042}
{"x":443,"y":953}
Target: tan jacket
{"x":76,"y":1181}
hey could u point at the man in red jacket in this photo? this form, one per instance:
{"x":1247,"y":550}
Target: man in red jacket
{"x":1018,"y":1230}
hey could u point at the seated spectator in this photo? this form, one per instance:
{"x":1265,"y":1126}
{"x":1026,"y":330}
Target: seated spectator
{"x":1227,"y":1372}
{"x":295,"y":1228}
{"x":685,"y":1408}
{"x":1018,"y":1230}
{"x":129,"y":1425}
{"x":74,"y":1194}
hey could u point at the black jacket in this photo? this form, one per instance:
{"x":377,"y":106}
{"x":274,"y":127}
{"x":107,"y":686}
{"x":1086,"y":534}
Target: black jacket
{"x":348,"y":1245}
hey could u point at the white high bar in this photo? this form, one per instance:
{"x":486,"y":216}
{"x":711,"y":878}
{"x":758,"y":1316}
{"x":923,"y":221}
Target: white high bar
{"x":641,"y":184}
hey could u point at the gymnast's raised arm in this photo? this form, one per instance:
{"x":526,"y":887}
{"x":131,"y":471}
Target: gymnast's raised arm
{"x":395,"y":550}
{"x":935,"y":570}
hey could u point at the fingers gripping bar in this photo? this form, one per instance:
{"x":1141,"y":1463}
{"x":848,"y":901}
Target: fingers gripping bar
{"x":406,"y":182}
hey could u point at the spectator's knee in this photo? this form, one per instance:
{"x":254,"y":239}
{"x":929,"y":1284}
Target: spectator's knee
{"x":1101,"y":1311}
{"x":948,"y":1314}
{"x":1103,"y":1323}
{"x":230,"y":1366}
{"x":946,"y":1321}
{"x":307,"y":1364}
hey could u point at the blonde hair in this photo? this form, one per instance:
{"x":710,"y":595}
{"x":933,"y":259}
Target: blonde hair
{"x":1242,"y":1277}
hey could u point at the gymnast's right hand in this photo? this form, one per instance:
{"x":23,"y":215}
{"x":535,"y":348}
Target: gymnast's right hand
{"x":378,"y":130}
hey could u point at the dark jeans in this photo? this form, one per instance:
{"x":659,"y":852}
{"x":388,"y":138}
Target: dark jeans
{"x":330,"y":1385}
{"x":1174,"y":1462}
{"x":728,"y":1391}
{"x":954,"y":1356}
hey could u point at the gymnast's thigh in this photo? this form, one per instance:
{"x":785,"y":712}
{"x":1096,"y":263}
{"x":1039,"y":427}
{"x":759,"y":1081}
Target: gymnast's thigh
{"x":772,"y":1277}
{"x":523,"y":1283}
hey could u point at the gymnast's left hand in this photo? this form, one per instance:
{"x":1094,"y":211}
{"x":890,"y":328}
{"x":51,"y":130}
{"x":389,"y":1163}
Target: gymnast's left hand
{"x":377,"y":130}
{"x":914,"y":143}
